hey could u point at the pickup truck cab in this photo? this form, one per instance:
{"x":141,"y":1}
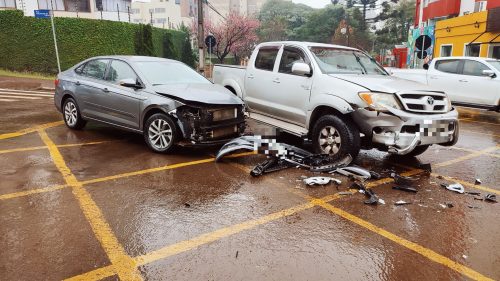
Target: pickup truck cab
{"x":468,"y":81}
{"x":339,"y":99}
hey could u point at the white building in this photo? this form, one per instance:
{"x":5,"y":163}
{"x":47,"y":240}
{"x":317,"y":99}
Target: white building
{"x":116,"y":10}
{"x":160,"y":13}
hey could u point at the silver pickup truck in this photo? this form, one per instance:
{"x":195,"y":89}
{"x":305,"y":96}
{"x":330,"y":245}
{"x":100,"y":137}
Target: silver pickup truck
{"x":339,"y":99}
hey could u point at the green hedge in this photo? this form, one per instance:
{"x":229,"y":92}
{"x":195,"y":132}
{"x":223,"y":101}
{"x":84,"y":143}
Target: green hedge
{"x":26,"y":43}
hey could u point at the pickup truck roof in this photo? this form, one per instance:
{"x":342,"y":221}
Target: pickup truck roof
{"x":306,"y":44}
{"x":468,"y":58}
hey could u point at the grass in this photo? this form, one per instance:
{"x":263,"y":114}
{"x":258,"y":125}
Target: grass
{"x":35,"y":75}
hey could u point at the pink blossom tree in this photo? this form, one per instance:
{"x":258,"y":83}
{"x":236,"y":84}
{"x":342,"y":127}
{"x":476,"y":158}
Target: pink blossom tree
{"x":236,"y":34}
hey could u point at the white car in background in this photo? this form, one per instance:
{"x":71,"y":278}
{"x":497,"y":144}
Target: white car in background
{"x":468,"y":81}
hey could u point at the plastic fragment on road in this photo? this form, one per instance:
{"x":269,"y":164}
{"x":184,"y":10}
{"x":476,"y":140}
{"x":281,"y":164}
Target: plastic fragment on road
{"x":354,"y":172}
{"x":401,"y":202}
{"x":405,"y":188}
{"x":456,"y":187}
{"x":491,"y":198}
{"x":426,"y":167}
{"x":374,"y":175}
{"x":344,"y":193}
{"x":398,"y":179}
{"x":478,"y":181}
{"x":320,"y":180}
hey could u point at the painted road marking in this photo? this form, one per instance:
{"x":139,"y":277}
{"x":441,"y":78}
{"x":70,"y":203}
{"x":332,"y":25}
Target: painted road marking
{"x":125,"y":266}
{"x":44,"y":147}
{"x":19,"y":97}
{"x":425,"y":252}
{"x":7,"y":100}
{"x":472,"y":151}
{"x":467,"y":157}
{"x":474,"y":132}
{"x":30,"y":130}
{"x":24,"y":94}
{"x":25,"y":91}
{"x":481,"y":122}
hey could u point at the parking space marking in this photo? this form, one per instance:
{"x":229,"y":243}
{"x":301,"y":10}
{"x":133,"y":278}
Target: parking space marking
{"x":25,"y":94}
{"x":472,"y":150}
{"x":31,"y":192}
{"x":7,"y":100}
{"x":30,"y":130}
{"x":425,"y":252}
{"x":125,"y":266}
{"x":45,"y":147}
{"x":464,"y":183}
{"x":475,"y":132}
{"x":20,"y":97}
{"x":481,"y":122}
{"x":467,"y":157}
{"x":24,"y":91}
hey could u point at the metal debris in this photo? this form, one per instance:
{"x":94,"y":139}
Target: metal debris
{"x":354,"y":172}
{"x":401,"y":202}
{"x":491,"y":198}
{"x":473,"y":193}
{"x":398,"y":179}
{"x":374,"y":175}
{"x":405,"y":188}
{"x":456,"y":187}
{"x":373,"y":198}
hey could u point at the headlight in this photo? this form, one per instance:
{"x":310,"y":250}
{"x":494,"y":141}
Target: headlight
{"x":379,"y":101}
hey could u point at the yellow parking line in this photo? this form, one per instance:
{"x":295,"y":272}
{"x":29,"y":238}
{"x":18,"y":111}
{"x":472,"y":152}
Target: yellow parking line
{"x":468,"y":184}
{"x":475,"y":132}
{"x":481,"y":122}
{"x":31,"y":192}
{"x":466,"y":157}
{"x":125,"y":266}
{"x":428,"y":253}
{"x":30,"y":130}
{"x":44,"y":147}
{"x":472,"y":150}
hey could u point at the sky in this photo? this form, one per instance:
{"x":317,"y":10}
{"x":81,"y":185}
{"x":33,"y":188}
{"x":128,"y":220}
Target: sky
{"x":314,"y":3}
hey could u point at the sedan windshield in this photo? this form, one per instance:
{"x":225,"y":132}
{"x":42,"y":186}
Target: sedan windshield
{"x":342,"y":61}
{"x":165,"y":73}
{"x":495,"y":63}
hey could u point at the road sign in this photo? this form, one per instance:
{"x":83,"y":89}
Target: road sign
{"x":42,"y":14}
{"x":210,"y":41}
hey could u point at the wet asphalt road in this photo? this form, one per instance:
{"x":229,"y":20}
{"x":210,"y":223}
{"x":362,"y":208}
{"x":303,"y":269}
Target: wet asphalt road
{"x":97,"y":204}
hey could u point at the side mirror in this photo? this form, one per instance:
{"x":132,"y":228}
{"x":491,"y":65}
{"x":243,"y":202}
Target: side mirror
{"x":489,"y":73}
{"x":300,"y":68}
{"x":131,"y":83}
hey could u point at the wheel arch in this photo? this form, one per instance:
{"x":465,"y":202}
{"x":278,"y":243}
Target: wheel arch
{"x":322,"y":110}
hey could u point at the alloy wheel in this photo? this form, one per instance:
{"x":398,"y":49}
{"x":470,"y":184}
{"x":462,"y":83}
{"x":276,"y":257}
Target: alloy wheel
{"x":70,"y":114}
{"x":329,"y":140}
{"x":160,"y":134}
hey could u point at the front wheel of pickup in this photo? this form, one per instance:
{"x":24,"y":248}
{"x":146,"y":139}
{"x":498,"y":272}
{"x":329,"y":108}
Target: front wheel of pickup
{"x":336,"y":136}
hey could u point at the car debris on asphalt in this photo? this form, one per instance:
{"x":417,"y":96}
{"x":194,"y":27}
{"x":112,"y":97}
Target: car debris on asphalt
{"x":405,"y":188}
{"x":398,"y":179}
{"x":456,"y":187}
{"x":320,"y":181}
{"x":478,"y":181}
{"x":401,"y":202}
{"x":354,"y":172}
{"x":491,"y":198}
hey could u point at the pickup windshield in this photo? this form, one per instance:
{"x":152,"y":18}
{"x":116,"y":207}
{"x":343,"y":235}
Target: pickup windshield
{"x":495,"y":63}
{"x":165,"y":73}
{"x":342,"y":61}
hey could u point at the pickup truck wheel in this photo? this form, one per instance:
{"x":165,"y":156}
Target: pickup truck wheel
{"x":418,"y":150}
{"x":160,"y":133}
{"x":335,"y":136}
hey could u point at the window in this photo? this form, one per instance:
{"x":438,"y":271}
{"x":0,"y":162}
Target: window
{"x":77,"y":5}
{"x":472,"y":50}
{"x":112,"y":5}
{"x":161,"y":20}
{"x":79,"y":69}
{"x":494,"y":51}
{"x":290,"y":56}
{"x":58,"y":5}
{"x":266,"y":57}
{"x":449,"y":66}
{"x":95,"y":68}
{"x":474,"y":68}
{"x":135,"y":11}
{"x":167,"y":73}
{"x":335,"y":60}
{"x":178,"y":2}
{"x":120,"y":70}
{"x":159,"y":10}
{"x":8,"y":4}
{"x":446,"y":50}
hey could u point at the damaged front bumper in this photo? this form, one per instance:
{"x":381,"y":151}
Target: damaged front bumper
{"x":400,"y":132}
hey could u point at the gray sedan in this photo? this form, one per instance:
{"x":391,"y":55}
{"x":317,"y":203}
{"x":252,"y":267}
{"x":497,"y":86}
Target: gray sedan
{"x":162,"y":99}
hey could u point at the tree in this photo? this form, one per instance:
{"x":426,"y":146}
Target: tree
{"x":280,"y":19}
{"x":234,"y":34}
{"x":397,"y":20}
{"x":169,"y":50}
{"x":143,"y":42}
{"x":321,"y":24}
{"x":187,"y":55}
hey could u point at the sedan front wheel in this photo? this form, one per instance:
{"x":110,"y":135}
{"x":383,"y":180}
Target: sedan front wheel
{"x":160,"y":133}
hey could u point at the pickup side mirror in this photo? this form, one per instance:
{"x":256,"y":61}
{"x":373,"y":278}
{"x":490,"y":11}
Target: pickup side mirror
{"x":130,"y":83}
{"x":300,"y":68}
{"x":489,"y":73}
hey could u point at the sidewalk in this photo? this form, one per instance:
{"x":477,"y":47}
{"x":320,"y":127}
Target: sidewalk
{"x":19,"y":83}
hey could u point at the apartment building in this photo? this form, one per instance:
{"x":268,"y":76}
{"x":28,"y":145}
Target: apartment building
{"x":161,"y":13}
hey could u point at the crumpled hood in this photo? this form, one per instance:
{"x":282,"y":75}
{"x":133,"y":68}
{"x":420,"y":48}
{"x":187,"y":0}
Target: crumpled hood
{"x":198,"y":93}
{"x":379,"y":83}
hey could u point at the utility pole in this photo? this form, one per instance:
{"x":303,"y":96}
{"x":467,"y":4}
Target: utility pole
{"x":54,"y":34}
{"x":201,"y":40}
{"x":118,"y":9}
{"x":151,"y":21}
{"x":128,"y":10}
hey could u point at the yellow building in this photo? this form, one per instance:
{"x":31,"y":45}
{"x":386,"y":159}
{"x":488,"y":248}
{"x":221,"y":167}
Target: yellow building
{"x":475,"y":34}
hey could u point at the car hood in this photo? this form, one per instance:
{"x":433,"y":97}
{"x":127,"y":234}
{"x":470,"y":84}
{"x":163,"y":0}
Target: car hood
{"x":198,"y":93}
{"x":379,"y":83}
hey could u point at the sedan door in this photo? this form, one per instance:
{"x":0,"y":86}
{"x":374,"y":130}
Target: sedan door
{"x":89,"y":86}
{"x":121,"y":104}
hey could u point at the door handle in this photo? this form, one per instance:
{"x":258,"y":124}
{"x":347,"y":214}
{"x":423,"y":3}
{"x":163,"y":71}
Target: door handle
{"x":277,"y":80}
{"x":462,"y":80}
{"x":105,"y":90}
{"x":78,"y":83}
{"x":250,"y":76}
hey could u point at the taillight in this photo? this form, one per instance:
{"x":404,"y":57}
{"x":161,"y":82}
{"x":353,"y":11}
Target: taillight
{"x":56,"y":82}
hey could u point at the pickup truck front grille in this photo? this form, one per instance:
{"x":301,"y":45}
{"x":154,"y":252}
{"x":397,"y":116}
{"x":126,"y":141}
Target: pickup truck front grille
{"x":424,"y":102}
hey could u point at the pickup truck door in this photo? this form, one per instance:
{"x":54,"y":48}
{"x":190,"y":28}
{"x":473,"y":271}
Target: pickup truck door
{"x":259,"y":85}
{"x":474,"y":87}
{"x":444,"y":76}
{"x":291,"y":91}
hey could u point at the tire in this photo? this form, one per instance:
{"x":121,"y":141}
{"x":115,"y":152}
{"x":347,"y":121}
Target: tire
{"x":417,"y":151}
{"x":160,"y":133}
{"x":336,"y":136}
{"x":71,"y":115}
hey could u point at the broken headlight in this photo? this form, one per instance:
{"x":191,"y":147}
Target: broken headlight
{"x":380,"y":101}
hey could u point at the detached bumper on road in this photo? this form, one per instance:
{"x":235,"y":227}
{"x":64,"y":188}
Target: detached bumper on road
{"x":401,"y":131}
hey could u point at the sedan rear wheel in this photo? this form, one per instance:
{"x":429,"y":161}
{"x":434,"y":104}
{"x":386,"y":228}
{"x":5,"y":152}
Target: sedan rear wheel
{"x":72,"y":116}
{"x":160,"y":133}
